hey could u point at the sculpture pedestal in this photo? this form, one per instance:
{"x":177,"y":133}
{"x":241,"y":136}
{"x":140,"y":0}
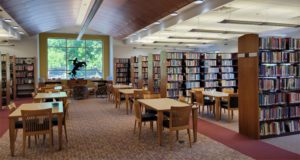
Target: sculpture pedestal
{"x":80,"y":92}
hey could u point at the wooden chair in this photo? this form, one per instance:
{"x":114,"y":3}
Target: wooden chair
{"x":225,"y":99}
{"x":36,"y":122}
{"x":182,"y":99}
{"x":151,"y":96}
{"x":193,"y":98}
{"x":139,"y":118}
{"x":202,"y":102}
{"x":18,"y":123}
{"x":118,"y":98}
{"x":55,"y":119}
{"x":179,"y":120}
{"x":138,"y":94}
{"x":109,"y":92}
{"x":231,"y":105}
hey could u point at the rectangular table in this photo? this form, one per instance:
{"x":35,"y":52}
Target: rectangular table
{"x":116,"y":88}
{"x":164,"y":105}
{"x":14,"y":116}
{"x":60,"y":95}
{"x":127,"y":93}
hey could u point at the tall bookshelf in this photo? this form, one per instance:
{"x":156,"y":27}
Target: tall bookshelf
{"x":13,"y":80}
{"x":5,"y":79}
{"x":171,"y":84}
{"x":191,"y":71}
{"x":143,"y":72}
{"x":227,"y":77}
{"x":154,"y":73}
{"x":210,"y":71}
{"x":269,"y":88}
{"x":122,"y":70}
{"x":134,"y":71}
{"x":25,"y":76}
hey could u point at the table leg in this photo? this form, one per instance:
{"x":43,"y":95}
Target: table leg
{"x":127,"y":101}
{"x":59,"y":116}
{"x":12,"y":134}
{"x":217,"y":111}
{"x":159,"y":126}
{"x":195,"y":124}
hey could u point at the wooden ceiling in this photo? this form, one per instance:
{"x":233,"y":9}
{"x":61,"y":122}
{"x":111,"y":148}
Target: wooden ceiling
{"x":117,"y":18}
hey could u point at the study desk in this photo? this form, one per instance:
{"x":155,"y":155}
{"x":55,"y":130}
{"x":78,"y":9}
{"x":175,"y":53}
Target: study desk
{"x":60,"y":95}
{"x":14,"y":116}
{"x":127,"y":93}
{"x":164,"y":105}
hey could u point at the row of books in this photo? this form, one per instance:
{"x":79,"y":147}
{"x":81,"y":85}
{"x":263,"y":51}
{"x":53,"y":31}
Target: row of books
{"x":228,"y":76}
{"x":156,"y":57}
{"x":174,"y":93}
{"x":192,"y":77}
{"x":294,"y":97}
{"x":274,"y":43}
{"x":144,"y":58}
{"x":226,"y":63}
{"x":135,"y":65}
{"x":136,"y":70}
{"x":277,"y":128}
{"x":278,"y":70}
{"x":156,"y":63}
{"x":279,"y":84}
{"x":227,"y":69}
{"x":210,"y":76}
{"x":144,"y":70}
{"x":210,"y":56}
{"x":190,"y":85}
{"x":278,"y":57}
{"x":122,"y":60}
{"x":4,"y":57}
{"x":122,"y":70}
{"x":175,"y":55}
{"x":191,"y":63}
{"x":295,"y":43}
{"x":25,"y":68}
{"x":175,"y":77}
{"x":210,"y":63}
{"x":211,"y":70}
{"x":174,"y":70}
{"x":226,"y":56}
{"x":211,"y":84}
{"x":156,"y":70}
{"x":156,"y":76}
{"x":122,"y":65}
{"x":121,"y":74}
{"x":24,"y":74}
{"x":173,"y":85}
{"x":144,"y":64}
{"x":122,"y":79}
{"x":192,"y":70}
{"x":272,"y":99}
{"x":174,"y":63}
{"x":274,"y":113}
{"x":25,"y":81}
{"x":192,"y":55}
{"x":225,"y":83}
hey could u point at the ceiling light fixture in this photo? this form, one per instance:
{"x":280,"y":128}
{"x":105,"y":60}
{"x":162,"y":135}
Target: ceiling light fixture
{"x":218,"y":31}
{"x":174,"y":14}
{"x":197,"y":38}
{"x":156,"y":23}
{"x":21,"y":32}
{"x":168,"y":42}
{"x":145,"y":29}
{"x":226,"y":21}
{"x":15,"y":27}
{"x":198,"y":1}
{"x":83,"y":10}
{"x":8,"y":20}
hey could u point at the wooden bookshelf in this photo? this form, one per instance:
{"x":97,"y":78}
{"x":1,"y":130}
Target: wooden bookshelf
{"x":5,"y":79}
{"x":13,"y":80}
{"x":134,"y":71}
{"x":143,"y":71}
{"x":121,"y":70}
{"x":269,"y":89}
{"x":210,"y":71}
{"x":171,"y":74}
{"x":191,"y":72}
{"x":228,"y":74}
{"x":154,"y":73}
{"x":25,"y":76}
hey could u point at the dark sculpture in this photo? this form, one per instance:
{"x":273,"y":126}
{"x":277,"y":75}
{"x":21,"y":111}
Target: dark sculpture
{"x":76,"y":67}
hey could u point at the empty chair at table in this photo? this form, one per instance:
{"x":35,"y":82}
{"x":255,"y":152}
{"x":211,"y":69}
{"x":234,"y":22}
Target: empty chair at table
{"x":231,"y":105}
{"x":55,"y":119}
{"x":37,"y":122}
{"x":179,"y":120}
{"x":202,"y":102}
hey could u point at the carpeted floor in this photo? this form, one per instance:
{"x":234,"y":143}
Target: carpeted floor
{"x":97,"y":130}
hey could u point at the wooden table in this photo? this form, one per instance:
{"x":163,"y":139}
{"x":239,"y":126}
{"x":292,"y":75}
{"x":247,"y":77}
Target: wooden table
{"x":60,"y":95}
{"x":164,"y":105}
{"x":217,"y":96}
{"x":14,"y":116}
{"x":121,"y":86}
{"x":128,"y":93}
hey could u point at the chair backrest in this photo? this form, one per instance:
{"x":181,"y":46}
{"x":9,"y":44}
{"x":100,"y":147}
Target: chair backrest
{"x":12,"y":107}
{"x":137,"y":110}
{"x":138,"y":94}
{"x":199,"y":97}
{"x":233,"y":101}
{"x":197,"y":89}
{"x":37,"y":121}
{"x":108,"y":88}
{"x":180,"y":116}
{"x":151,"y":96}
{"x":182,"y":99}
{"x":228,"y":90}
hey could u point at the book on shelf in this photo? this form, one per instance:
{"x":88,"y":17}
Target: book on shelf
{"x":210,"y":56}
{"x":272,"y":99}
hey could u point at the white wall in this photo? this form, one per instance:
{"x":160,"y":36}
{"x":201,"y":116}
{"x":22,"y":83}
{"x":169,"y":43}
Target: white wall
{"x":27,"y":47}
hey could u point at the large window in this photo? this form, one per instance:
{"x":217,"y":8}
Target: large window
{"x":61,"y":52}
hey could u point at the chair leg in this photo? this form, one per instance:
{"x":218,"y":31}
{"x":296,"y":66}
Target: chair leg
{"x":24,"y":145}
{"x":170,"y":139}
{"x":29,"y":137}
{"x":177,"y":133}
{"x":202,"y":110}
{"x":134,"y":126}
{"x":188,"y":131}
{"x":151,"y":125}
{"x":50,"y":140}
{"x":232,"y":114}
{"x":140,"y":129}
{"x":66,"y":135}
{"x":229,"y":116}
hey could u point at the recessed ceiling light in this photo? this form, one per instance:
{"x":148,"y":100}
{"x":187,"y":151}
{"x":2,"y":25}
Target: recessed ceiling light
{"x":8,"y":20}
{"x":174,"y":14}
{"x":144,"y":29}
{"x":156,"y":23}
{"x":15,"y":27}
{"x":198,"y":1}
{"x":21,"y":32}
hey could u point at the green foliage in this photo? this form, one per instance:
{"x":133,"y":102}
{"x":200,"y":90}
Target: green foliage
{"x":62,"y":51}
